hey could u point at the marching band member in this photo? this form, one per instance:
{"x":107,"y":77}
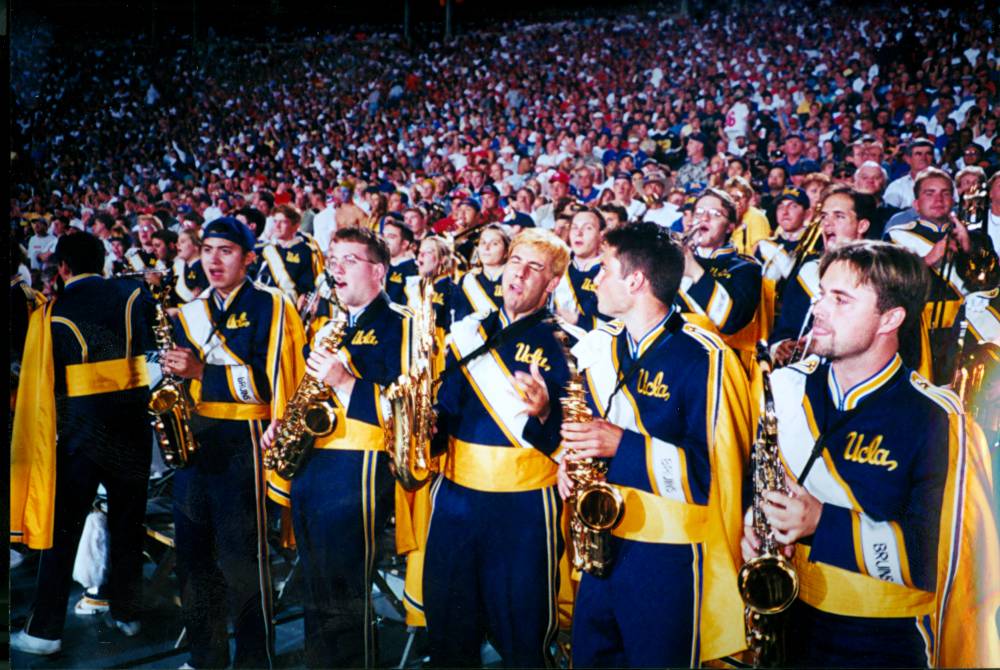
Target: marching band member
{"x":672,"y":415}
{"x":937,"y":235}
{"x":481,"y":290}
{"x":342,"y":497}
{"x":402,"y":264}
{"x":188,"y":273}
{"x":494,"y":542}
{"x":719,"y":285}
{"x":434,"y":261}
{"x":81,"y":421}
{"x":888,"y":512}
{"x":141,"y":256}
{"x":292,"y":260}
{"x":753,"y":224}
{"x":845,"y":216}
{"x":777,"y":253}
{"x":574,"y":297}
{"x":240,"y":346}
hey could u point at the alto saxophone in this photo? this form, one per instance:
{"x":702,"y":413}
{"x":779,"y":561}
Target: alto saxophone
{"x":169,"y":406}
{"x":308,"y":414}
{"x":410,"y":426}
{"x":768,"y":583}
{"x":596,"y":507}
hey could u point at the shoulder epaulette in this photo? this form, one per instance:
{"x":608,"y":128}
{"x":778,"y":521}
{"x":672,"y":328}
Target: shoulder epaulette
{"x":706,"y":337}
{"x":909,"y":225}
{"x":808,"y":365}
{"x":940,"y":396}
{"x":612,"y":327}
{"x":572,"y":329}
{"x":401,"y":309}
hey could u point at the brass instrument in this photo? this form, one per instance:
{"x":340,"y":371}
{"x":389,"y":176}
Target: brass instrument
{"x":687,"y":238}
{"x":979,"y":268}
{"x":169,"y":405}
{"x":596,"y":507}
{"x":971,"y":370}
{"x":807,"y":244}
{"x":322,"y":290}
{"x":768,"y":583}
{"x":309,"y":413}
{"x":410,"y":426}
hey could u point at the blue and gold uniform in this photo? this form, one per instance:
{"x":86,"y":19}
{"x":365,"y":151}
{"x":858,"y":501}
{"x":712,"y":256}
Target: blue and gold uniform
{"x":796,"y":300}
{"x":395,"y":281}
{"x":670,"y":598}
{"x":946,"y":295}
{"x":494,"y":543}
{"x":189,"y":280}
{"x":342,"y":498}
{"x":23,"y":301}
{"x":776,"y":254}
{"x":900,"y":568}
{"x":291,"y":266}
{"x":476,"y":292}
{"x":728,"y":293}
{"x":83,"y":379}
{"x":576,"y":293}
{"x":251,"y":344}
{"x":444,"y":299}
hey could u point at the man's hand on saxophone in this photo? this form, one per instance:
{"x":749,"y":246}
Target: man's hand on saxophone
{"x":183,"y":363}
{"x":594,"y":439}
{"x":325,"y":366}
{"x":792,"y":516}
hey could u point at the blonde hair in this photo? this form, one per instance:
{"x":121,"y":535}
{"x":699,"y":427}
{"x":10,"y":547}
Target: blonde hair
{"x":555,"y":250}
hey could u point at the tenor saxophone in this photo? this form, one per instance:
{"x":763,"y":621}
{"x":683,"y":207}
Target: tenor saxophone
{"x":768,"y":583}
{"x":169,"y":406}
{"x":596,"y":507}
{"x":410,"y":426}
{"x":308,"y":414}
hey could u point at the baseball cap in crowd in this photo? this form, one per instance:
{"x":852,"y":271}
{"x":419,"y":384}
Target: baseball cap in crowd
{"x":471,"y":203}
{"x":655,"y":177}
{"x":231,"y":229}
{"x":623,"y":175}
{"x":796,"y":135}
{"x":520,"y":219}
{"x":794,"y":194}
{"x":689,"y":202}
{"x":489,"y":188}
{"x":698,"y":137}
{"x":695,"y":187}
{"x":559,"y":177}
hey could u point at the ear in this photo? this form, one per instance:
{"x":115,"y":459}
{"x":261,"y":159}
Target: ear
{"x":552,"y":284}
{"x":863,"y":226}
{"x":248,"y":259}
{"x":891,"y":319}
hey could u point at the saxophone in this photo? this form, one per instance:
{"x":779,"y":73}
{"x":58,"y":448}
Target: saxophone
{"x":169,"y":406}
{"x":409,"y":428}
{"x":768,"y":583}
{"x":308,"y":414}
{"x":596,"y":507}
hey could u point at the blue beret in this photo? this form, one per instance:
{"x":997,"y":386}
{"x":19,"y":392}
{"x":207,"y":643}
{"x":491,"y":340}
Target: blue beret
{"x":232,"y":229}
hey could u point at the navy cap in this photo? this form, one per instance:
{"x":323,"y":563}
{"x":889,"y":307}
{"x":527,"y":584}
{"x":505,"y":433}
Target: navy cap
{"x":520,"y":219}
{"x":232,"y":229}
{"x":794,"y":194}
{"x":489,"y":188}
{"x":698,"y":137}
{"x":471,"y":203}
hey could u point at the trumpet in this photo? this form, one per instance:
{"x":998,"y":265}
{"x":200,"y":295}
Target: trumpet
{"x":689,"y":239}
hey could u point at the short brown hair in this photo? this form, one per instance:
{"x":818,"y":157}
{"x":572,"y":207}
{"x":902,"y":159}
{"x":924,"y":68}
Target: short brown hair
{"x":898,"y":276}
{"x":930,"y":173}
{"x":378,"y":251}
{"x":291,"y":213}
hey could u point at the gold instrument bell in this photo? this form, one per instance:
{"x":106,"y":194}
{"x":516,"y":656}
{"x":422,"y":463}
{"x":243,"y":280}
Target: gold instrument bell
{"x":979,"y":268}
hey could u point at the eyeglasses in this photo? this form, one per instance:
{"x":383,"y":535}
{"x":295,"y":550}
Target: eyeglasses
{"x":705,"y":212}
{"x":348,"y":261}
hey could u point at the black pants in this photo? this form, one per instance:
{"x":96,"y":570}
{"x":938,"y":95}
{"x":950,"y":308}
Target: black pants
{"x":215,"y":519}
{"x":77,"y":479}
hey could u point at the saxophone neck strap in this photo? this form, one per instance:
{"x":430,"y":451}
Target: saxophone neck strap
{"x":841,"y":421}
{"x":498,"y":338}
{"x":674,"y":322}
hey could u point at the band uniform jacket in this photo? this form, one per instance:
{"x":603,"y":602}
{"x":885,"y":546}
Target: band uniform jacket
{"x":251,"y":343}
{"x":907,"y":528}
{"x":83,"y":378}
{"x":475,"y":292}
{"x":395,"y":281}
{"x":576,"y":293}
{"x":293,"y":267}
{"x":686,"y":416}
{"x":728,"y":293}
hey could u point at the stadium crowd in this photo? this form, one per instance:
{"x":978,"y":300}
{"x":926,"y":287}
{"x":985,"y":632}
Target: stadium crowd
{"x":773,"y":94}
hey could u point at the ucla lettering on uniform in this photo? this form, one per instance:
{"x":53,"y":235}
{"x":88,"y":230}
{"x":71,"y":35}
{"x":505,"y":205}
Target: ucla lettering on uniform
{"x":365,"y":337}
{"x":872,"y":454}
{"x":525,"y":354}
{"x":720,"y":273}
{"x":292,"y":257}
{"x":654,"y":388}
{"x":588,"y":285}
{"x":396,"y":278}
{"x":240,"y":321}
